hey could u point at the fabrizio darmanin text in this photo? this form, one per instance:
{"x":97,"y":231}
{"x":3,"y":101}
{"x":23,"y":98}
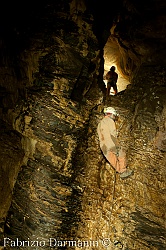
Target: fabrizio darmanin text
{"x":52,"y":242}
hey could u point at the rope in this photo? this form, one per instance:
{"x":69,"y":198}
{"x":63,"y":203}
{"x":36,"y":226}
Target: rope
{"x":113,"y":196}
{"x":113,"y":193}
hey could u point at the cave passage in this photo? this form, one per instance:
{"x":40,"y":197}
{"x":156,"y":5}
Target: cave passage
{"x":112,"y":57}
{"x":55,"y":182}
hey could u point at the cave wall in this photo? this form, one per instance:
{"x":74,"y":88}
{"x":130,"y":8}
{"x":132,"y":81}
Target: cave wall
{"x":52,"y":62}
{"x":129,"y":214}
{"x":52,"y":97}
{"x":137,"y":37}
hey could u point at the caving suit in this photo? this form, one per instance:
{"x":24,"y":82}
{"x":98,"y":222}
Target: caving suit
{"x":111,"y":81}
{"x":109,"y":144}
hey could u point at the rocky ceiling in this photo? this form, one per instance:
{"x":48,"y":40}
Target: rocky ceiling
{"x":57,"y":190}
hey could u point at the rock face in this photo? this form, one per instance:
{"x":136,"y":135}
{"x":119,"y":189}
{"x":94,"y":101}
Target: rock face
{"x":57,"y":189}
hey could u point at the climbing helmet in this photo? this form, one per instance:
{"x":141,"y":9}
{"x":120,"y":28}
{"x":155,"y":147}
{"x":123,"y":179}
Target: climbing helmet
{"x":110,"y":110}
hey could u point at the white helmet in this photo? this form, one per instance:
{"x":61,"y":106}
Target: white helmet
{"x":110,"y":110}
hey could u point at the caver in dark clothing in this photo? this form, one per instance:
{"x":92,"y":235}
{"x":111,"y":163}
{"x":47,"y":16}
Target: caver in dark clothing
{"x":112,"y":78}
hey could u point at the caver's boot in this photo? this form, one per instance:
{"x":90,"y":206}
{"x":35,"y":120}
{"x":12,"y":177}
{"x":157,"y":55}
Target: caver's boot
{"x":126,"y":174}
